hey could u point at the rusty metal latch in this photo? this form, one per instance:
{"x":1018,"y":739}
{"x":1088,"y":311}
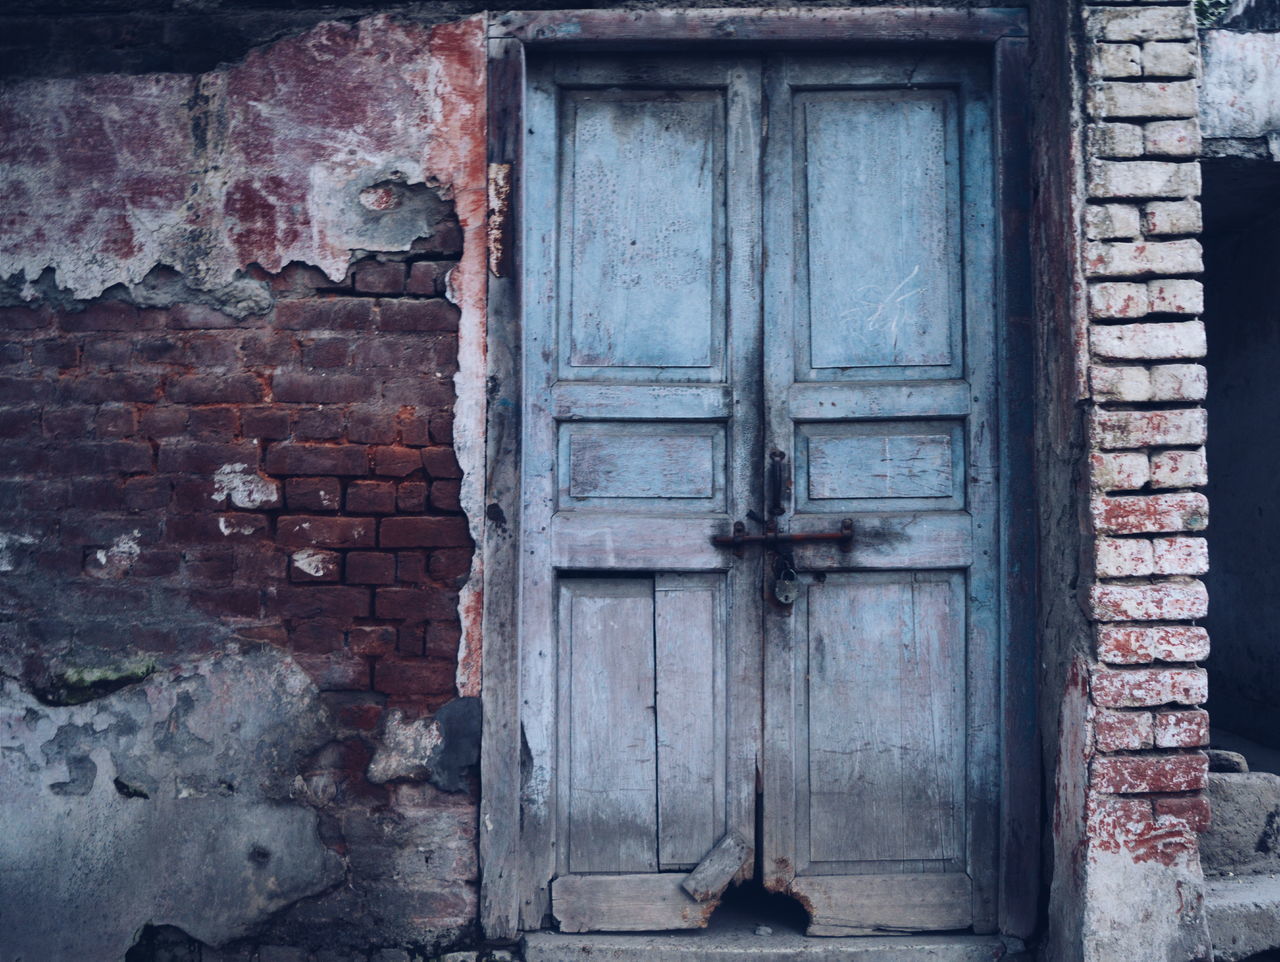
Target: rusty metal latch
{"x":774,"y":541}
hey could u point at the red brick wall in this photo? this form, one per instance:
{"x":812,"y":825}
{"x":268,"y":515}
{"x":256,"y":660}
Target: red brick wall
{"x":291,"y":475}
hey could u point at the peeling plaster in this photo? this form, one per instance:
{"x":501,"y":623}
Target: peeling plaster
{"x":166,"y":802}
{"x":263,"y":162}
{"x":245,"y":488}
{"x":456,"y":114}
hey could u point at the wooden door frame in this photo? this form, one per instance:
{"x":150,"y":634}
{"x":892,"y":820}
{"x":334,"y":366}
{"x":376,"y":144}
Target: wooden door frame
{"x":1003,"y":32}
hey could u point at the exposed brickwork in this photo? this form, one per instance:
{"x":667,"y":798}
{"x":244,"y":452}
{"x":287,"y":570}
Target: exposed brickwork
{"x":269,"y":471}
{"x":1142,"y":262}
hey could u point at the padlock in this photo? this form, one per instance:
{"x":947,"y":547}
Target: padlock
{"x":786,"y":587}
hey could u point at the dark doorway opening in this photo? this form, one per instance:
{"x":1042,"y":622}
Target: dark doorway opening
{"x":1242,"y":320}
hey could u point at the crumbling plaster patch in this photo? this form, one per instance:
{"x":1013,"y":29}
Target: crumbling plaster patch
{"x":1237,"y":94}
{"x":167,"y":802}
{"x":261,"y":162}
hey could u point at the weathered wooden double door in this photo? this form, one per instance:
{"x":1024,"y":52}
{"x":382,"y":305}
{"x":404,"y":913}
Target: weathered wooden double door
{"x":760,"y":290}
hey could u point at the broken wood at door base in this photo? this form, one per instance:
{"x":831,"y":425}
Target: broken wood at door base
{"x":652,"y":902}
{"x":649,"y":902}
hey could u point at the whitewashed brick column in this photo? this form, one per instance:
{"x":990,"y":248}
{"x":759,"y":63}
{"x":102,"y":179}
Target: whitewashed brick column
{"x":1142,"y":261}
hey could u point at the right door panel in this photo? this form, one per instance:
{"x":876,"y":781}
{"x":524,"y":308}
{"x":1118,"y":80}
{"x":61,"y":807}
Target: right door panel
{"x":881,"y":733}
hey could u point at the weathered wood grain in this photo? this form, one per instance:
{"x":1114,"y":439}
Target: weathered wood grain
{"x":689,"y":655}
{"x":1020,"y":817}
{"x":878,"y":412}
{"x":754,"y":25}
{"x":714,"y":873}
{"x":637,"y":307}
{"x":499,"y":842}
{"x":608,"y":756}
{"x":876,"y":904}
{"x":626,"y":903}
{"x":882,"y":164}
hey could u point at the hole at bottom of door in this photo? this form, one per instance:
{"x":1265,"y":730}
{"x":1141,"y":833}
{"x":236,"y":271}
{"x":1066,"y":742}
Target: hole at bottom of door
{"x":748,"y":906}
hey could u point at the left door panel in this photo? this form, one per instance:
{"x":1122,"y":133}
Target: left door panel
{"x":641,"y":709}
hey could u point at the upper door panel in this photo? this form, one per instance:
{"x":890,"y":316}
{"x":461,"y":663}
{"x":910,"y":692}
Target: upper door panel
{"x":878,"y":290}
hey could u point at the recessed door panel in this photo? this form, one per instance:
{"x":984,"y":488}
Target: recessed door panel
{"x":642,"y":243}
{"x":878,"y":280}
{"x":642,"y":466}
{"x":884,"y":709}
{"x":880,"y":465}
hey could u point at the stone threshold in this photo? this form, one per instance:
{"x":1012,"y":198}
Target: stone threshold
{"x":736,"y":940}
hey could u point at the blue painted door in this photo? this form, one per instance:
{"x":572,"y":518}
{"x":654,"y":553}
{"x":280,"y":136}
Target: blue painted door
{"x":759,"y":290}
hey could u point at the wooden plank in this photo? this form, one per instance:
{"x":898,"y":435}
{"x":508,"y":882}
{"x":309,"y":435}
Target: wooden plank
{"x":499,"y":842}
{"x":875,"y":904}
{"x":779,"y":756}
{"x":538,"y":649}
{"x":745,"y":604}
{"x":891,"y":540}
{"x":968,"y":24}
{"x":933,"y":708}
{"x":598,"y":541}
{"x":633,"y":402}
{"x":607,"y":733}
{"x":985,"y":587}
{"x":626,"y":903}
{"x":722,"y":864}
{"x":1020,"y":810}
{"x":858,"y":738}
{"x":689,"y":637}
{"x":831,"y":401}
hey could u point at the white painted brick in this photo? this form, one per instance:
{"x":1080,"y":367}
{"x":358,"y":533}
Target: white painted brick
{"x":1128,"y":384}
{"x":1181,"y":729}
{"x":1164,"y":59}
{"x":1119,"y":470}
{"x":1120,"y":99}
{"x":1139,"y":342}
{"x":1180,"y":556}
{"x":1143,"y":258}
{"x":1176,"y":296}
{"x":1116,"y":60}
{"x":1118,"y":300}
{"x":1111,"y":221}
{"x":1113,"y":430}
{"x":1115,"y":140}
{"x":1179,"y":469}
{"x":1159,"y":601}
{"x":1134,"y":644}
{"x":1172,"y":217}
{"x":1172,"y":138}
{"x":1179,"y":382}
{"x":1151,"y":513}
{"x":1119,"y":25}
{"x":1119,"y":731}
{"x":1123,"y":557}
{"x":1143,"y":178}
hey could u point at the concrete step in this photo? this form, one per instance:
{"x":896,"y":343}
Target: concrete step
{"x":735,"y":940}
{"x":1244,"y":915}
